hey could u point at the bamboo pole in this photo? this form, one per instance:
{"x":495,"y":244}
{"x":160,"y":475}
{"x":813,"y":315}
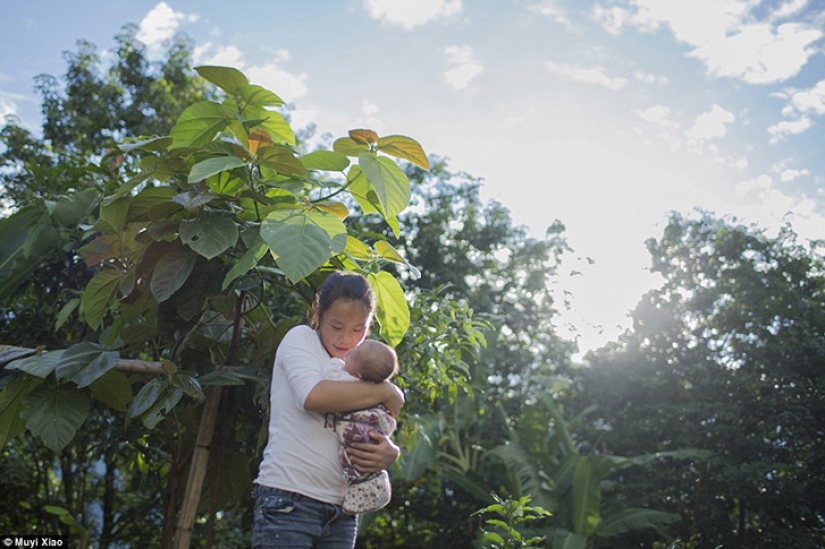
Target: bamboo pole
{"x":206,"y":430}
{"x":197,"y":470}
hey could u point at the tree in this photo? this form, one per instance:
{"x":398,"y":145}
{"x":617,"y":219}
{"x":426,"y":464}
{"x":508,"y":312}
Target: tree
{"x":89,"y":110}
{"x":183,"y":257}
{"x":725,"y":356}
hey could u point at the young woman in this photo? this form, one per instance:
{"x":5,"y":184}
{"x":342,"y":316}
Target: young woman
{"x":300,"y":487}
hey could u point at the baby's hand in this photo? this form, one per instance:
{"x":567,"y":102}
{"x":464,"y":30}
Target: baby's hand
{"x":395,"y":401}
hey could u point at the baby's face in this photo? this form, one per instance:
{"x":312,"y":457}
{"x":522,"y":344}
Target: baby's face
{"x":352,"y":364}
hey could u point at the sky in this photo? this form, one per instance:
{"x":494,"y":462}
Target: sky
{"x":604,"y":114}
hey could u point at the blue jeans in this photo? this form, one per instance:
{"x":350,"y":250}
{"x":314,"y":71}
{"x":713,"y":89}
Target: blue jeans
{"x":285,"y":520}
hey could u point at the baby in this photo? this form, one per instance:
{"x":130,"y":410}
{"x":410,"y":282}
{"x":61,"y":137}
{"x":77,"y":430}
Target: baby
{"x":374,"y":362}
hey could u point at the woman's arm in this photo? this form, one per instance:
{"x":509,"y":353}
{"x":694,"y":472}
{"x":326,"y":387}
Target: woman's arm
{"x":343,"y":396}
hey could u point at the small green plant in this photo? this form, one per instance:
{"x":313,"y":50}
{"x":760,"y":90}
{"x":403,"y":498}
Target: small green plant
{"x":678,"y":543}
{"x":506,"y":533}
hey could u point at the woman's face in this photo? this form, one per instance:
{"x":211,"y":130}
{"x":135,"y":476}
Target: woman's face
{"x":343,"y":326}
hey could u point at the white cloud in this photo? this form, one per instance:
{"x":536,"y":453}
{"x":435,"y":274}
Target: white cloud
{"x":781,"y":130}
{"x":726,"y":35}
{"x":650,"y":78}
{"x":789,"y":175}
{"x":595,"y":75}
{"x":658,"y":114}
{"x":225,"y":56}
{"x":801,"y":103}
{"x":159,"y":25}
{"x":288,"y":85}
{"x":789,"y":8}
{"x":548,"y":8}
{"x":711,"y":124}
{"x":760,"y":183}
{"x":7,"y":108}
{"x":409,"y":14}
{"x":771,"y":208}
{"x":811,"y":100}
{"x":465,"y":66}
{"x":759,"y":54}
{"x":615,"y":18}
{"x":368,"y":107}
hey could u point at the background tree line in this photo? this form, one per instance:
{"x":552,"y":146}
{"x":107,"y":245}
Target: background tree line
{"x":700,"y":427}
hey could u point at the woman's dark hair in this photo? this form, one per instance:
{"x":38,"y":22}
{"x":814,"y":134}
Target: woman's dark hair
{"x":351,"y":286}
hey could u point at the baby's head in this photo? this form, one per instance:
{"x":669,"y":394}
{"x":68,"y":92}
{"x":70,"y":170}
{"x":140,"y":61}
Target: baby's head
{"x":372,"y":361}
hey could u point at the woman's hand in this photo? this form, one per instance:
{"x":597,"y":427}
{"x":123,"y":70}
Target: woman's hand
{"x":374,"y":456}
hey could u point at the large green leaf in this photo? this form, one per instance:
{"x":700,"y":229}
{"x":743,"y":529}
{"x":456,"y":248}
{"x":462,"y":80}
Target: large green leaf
{"x":113,"y":389}
{"x":358,"y":249}
{"x":211,"y":166}
{"x":388,"y":252}
{"x":388,"y":180}
{"x":272,"y":123}
{"x":404,"y":147}
{"x":281,"y":159}
{"x":349,"y":146}
{"x":11,"y":354}
{"x":563,"y":539}
{"x":249,"y":259}
{"x":11,"y":406}
{"x":98,"y":293}
{"x":85,"y":362}
{"x":631,"y":519}
{"x":73,"y":209}
{"x":359,"y":187}
{"x":151,"y":144}
{"x":526,"y":473}
{"x":418,"y":456}
{"x":587,"y":496}
{"x":54,"y":412}
{"x":226,"y":78}
{"x":113,"y":213}
{"x":199,"y":124}
{"x":393,"y":313}
{"x":209,"y":236}
{"x":27,"y":237}
{"x":170,"y":272}
{"x":329,"y":161}
{"x":105,"y":246}
{"x":303,"y":240}
{"x":39,"y":364}
{"x":258,"y":96}
{"x":226,"y":183}
{"x":147,"y":199}
{"x":146,"y":397}
{"x":161,"y":407}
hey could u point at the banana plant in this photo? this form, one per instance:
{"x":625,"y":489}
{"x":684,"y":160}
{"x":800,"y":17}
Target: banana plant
{"x":569,"y":484}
